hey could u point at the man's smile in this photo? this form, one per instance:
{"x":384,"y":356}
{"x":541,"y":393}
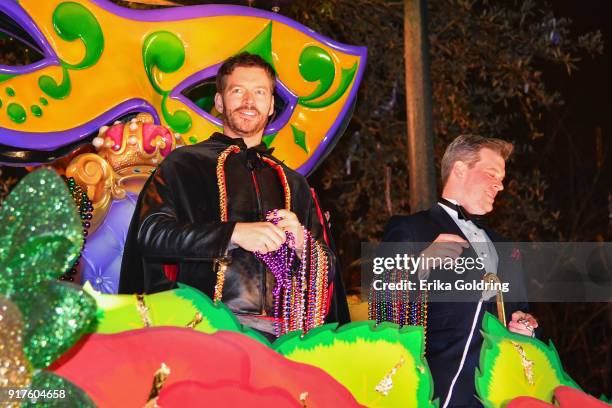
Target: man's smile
{"x":248,"y":113}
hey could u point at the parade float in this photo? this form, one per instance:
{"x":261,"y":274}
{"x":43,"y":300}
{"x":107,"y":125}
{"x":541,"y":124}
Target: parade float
{"x":115,"y":92}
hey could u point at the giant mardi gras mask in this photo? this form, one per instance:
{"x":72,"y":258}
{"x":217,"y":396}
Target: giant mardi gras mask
{"x":164,"y":62}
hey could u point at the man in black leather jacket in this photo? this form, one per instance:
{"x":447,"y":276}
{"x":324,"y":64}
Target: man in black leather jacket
{"x":206,"y":204}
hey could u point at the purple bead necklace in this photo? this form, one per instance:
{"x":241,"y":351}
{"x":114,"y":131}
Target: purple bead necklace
{"x":279,"y":262}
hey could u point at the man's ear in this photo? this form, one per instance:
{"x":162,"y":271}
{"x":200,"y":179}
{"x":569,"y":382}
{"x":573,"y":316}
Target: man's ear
{"x":271,"y":110}
{"x":459,"y":169}
{"x":218,"y":102}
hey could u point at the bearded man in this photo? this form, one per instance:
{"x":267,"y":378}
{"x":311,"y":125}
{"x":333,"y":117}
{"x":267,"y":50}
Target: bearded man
{"x":226,"y":217}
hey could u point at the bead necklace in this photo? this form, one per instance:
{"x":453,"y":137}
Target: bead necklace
{"x":300,"y":294}
{"x":85,"y":207}
{"x":279,"y":263}
{"x":405,"y":308}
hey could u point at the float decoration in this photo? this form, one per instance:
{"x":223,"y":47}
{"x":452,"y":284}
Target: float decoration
{"x":382,"y":365}
{"x":182,"y":307}
{"x":15,"y":368}
{"x":40,"y":238}
{"x":16,"y":372}
{"x":113,"y":62}
{"x":121,"y":377}
{"x":39,"y":225}
{"x":225,"y":393}
{"x":513,"y":365}
{"x":126,"y":155}
{"x":565,"y":397}
{"x":57,"y":316}
{"x":40,"y":233}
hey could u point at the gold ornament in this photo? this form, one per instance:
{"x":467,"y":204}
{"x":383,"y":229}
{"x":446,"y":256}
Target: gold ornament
{"x":126,"y":156}
{"x":386,"y":384}
{"x":526,"y":363}
{"x":143,"y":310}
{"x":158,"y":383}
{"x":197,"y":319}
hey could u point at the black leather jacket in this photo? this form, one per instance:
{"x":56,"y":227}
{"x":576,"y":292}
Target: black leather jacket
{"x":177,"y":221}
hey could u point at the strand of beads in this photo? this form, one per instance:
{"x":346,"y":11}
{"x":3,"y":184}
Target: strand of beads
{"x":322,"y":271}
{"x":279,"y":263}
{"x":314,"y":264}
{"x":300,"y":294}
{"x":316,"y":290}
{"x":374,"y":305}
{"x":85,"y":207}
{"x":304,"y":285}
{"x":310,"y":255}
{"x":404,"y":304}
{"x":423,"y":322}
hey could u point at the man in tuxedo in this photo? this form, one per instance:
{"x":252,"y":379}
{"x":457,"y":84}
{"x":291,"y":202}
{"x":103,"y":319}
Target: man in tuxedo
{"x":473,"y":170}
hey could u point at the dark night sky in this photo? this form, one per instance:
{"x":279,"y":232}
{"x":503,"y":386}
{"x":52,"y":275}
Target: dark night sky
{"x":588,"y":91}
{"x":588,"y":107}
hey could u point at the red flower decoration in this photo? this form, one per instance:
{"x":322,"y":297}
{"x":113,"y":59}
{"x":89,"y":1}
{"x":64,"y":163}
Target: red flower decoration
{"x":117,"y":370}
{"x":225,"y":394}
{"x":566,"y":397}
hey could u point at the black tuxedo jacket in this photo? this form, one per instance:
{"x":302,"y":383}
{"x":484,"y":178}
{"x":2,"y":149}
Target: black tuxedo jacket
{"x":449,"y":323}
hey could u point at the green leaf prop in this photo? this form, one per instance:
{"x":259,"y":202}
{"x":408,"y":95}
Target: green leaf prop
{"x":382,"y":366}
{"x":40,"y":238}
{"x":513,"y":365}
{"x":57,"y":316}
{"x":177,"y":307}
{"x":40,"y":233}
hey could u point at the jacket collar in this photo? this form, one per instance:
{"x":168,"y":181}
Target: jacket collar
{"x":449,"y":225}
{"x":238,"y":141}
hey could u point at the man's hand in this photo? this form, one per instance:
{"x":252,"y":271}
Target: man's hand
{"x":258,"y":236}
{"x":523,"y":323}
{"x":444,"y":246}
{"x":289,"y":222}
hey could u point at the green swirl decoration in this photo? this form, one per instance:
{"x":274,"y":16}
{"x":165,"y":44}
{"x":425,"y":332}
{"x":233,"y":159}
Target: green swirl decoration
{"x":52,"y":89}
{"x":72,"y":21}
{"x":179,"y":121}
{"x":316,"y":65}
{"x":165,"y":51}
